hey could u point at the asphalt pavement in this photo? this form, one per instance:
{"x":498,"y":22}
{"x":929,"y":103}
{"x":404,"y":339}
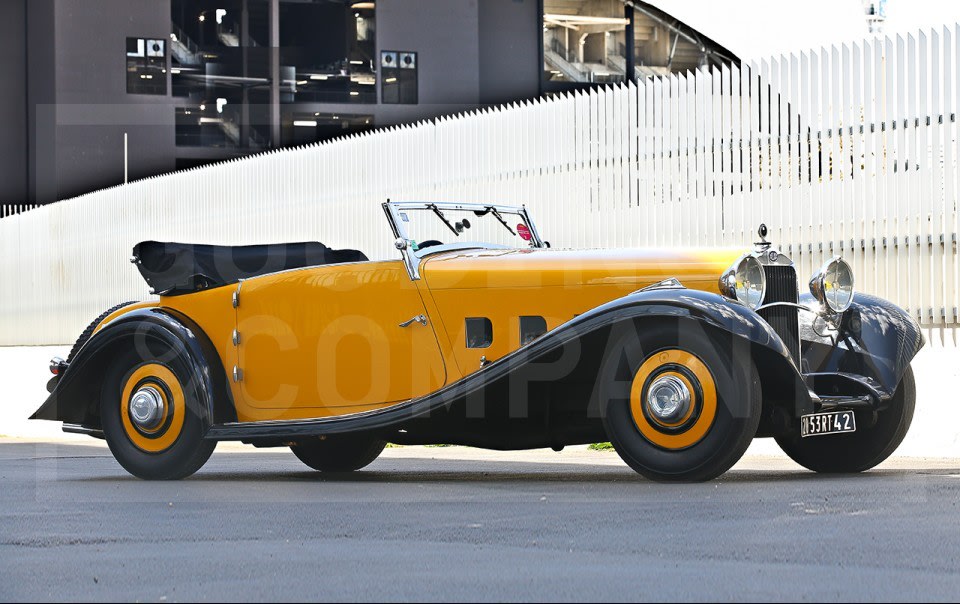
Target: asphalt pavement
{"x":461,"y":524}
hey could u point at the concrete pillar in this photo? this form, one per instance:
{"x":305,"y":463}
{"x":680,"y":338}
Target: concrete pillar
{"x":275,"y":73}
{"x":245,"y":54}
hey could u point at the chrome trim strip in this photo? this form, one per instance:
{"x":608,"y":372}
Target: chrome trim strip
{"x":451,"y":205}
{"x":76,"y":429}
{"x":459,"y":247}
{"x":671,"y":283}
{"x":800,"y":306}
{"x":847,"y":402}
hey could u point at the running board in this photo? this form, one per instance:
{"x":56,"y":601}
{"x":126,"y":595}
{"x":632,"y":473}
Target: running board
{"x":367,"y":421}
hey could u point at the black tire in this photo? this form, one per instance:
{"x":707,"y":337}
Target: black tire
{"x":89,"y":330}
{"x":738,"y":402}
{"x":878,"y":435}
{"x":187,"y":453}
{"x":340,"y":453}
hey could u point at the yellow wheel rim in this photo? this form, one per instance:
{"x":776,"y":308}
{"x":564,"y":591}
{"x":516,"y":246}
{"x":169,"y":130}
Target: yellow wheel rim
{"x":168,"y":429}
{"x":695,"y":423}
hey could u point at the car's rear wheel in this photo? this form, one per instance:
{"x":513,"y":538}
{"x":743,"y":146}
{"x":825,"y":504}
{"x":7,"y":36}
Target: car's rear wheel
{"x":150,"y":417}
{"x":678,"y":404}
{"x":878,"y":435}
{"x":340,"y":453}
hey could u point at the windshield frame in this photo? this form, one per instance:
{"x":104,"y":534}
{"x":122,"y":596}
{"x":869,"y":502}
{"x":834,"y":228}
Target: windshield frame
{"x":412,"y":258}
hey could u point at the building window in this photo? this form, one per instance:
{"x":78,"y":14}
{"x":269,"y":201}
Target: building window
{"x":399,"y":77}
{"x":306,"y":128}
{"x":531,"y":328}
{"x":584,"y":44}
{"x":146,"y":66}
{"x":332,"y":49}
{"x":221,"y":58}
{"x":479,"y":332}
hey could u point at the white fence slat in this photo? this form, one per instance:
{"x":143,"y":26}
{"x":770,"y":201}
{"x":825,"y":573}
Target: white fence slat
{"x":945,"y":177}
{"x":927,"y":254}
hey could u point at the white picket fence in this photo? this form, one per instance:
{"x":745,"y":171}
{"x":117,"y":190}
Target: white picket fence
{"x":846,"y":150}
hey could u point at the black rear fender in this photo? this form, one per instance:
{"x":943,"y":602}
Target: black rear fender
{"x":147,"y":333}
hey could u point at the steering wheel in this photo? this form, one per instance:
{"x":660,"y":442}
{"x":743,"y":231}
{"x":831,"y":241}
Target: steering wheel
{"x":428,"y":243}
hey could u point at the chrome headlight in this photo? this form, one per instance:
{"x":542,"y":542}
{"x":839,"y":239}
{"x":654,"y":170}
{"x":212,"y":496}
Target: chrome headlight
{"x":745,"y":282}
{"x":832,"y":285}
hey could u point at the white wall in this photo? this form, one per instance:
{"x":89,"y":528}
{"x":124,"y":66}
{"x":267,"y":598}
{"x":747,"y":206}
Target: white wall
{"x":24,"y":373}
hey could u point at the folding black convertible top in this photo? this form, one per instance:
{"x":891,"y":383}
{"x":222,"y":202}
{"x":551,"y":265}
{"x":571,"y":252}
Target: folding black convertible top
{"x":173,"y":269}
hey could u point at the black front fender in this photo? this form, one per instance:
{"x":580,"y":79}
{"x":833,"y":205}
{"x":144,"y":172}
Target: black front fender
{"x":783,"y":384}
{"x":876,"y":341}
{"x":704,"y":307}
{"x":76,"y":397}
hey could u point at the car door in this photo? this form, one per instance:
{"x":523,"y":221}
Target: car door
{"x":328,"y":341}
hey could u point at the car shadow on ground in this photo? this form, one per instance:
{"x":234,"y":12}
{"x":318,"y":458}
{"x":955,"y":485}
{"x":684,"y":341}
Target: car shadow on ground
{"x":513,"y":472}
{"x":281,"y":467}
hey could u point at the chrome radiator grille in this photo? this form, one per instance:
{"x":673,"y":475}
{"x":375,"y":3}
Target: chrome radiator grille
{"x":785,"y":320}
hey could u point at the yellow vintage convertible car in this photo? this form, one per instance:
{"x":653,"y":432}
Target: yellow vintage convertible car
{"x":481,"y":335}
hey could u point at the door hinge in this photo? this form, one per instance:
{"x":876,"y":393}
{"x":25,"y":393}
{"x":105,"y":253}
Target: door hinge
{"x":236,"y":298}
{"x":236,"y":337}
{"x":237,"y":374}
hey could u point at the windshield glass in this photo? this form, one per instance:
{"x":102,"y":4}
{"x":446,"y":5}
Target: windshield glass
{"x":434,"y":225}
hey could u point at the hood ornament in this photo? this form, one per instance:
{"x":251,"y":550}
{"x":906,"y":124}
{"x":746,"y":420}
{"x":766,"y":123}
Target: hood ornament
{"x":762,"y":245}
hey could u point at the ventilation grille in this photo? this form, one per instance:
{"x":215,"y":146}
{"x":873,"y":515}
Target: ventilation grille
{"x":785,"y":320}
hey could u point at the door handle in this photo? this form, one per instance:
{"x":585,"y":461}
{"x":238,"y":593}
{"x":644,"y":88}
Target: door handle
{"x":421,"y":319}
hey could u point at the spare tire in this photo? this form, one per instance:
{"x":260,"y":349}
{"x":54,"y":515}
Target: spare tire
{"x":89,"y":330}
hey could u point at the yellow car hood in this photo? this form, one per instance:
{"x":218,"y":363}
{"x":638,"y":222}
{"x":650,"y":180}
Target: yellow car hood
{"x":697,"y":268}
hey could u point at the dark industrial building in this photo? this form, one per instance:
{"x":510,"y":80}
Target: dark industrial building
{"x":97,"y":92}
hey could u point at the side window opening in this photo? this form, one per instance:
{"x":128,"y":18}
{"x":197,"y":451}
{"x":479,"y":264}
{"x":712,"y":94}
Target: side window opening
{"x":479,"y":332}
{"x":531,"y":328}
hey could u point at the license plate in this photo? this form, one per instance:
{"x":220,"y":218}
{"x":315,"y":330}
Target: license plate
{"x":818,"y":424}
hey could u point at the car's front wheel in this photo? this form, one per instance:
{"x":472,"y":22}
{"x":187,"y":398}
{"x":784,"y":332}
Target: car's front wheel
{"x":679,"y":404}
{"x":339,"y":453}
{"x":149,"y":411}
{"x":878,"y":435}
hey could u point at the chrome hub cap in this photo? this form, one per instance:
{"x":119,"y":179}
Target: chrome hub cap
{"x":146,"y":408}
{"x":668,"y":398}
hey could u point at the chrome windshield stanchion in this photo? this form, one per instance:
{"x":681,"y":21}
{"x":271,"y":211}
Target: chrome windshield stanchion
{"x":410,"y":260}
